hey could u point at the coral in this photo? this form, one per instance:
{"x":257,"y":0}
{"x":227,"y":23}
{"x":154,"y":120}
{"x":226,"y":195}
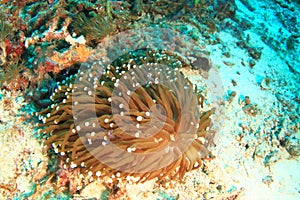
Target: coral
{"x":51,"y":34}
{"x":128,"y":127}
{"x":13,"y":76}
{"x":94,"y":28}
{"x":11,"y":51}
{"x":4,"y":28}
{"x":55,"y":26}
{"x":74,"y":54}
{"x":251,"y":109}
{"x":226,"y":9}
{"x":51,"y":42}
{"x":65,"y":19}
{"x":11,"y":45}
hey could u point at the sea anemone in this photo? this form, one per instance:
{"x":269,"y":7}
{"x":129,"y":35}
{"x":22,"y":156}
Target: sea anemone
{"x":116,"y":126}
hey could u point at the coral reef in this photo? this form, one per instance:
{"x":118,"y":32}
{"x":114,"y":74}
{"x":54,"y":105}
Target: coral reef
{"x":253,"y":45}
{"x":50,"y":30}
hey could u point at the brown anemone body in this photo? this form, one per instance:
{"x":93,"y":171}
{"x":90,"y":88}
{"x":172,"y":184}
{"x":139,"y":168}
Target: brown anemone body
{"x":154,"y":131}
